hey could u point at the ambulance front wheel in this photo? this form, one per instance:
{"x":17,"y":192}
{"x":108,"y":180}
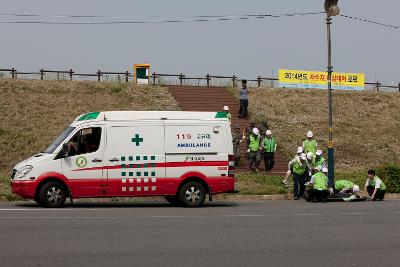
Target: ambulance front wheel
{"x":52,"y":195}
{"x":192,"y":194}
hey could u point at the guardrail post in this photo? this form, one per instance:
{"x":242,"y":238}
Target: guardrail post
{"x":154,"y":78}
{"x":181,"y":78}
{"x":70,"y":74}
{"x":127,"y":76}
{"x":41,"y":74}
{"x":208,"y":79}
{"x":234,"y":81}
{"x":13,"y":73}
{"x":98,"y":75}
{"x":377,"y":86}
{"x":259,"y":81}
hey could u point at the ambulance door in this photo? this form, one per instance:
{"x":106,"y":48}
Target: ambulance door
{"x":136,"y":159}
{"x":194,"y":149}
{"x":84,"y":167}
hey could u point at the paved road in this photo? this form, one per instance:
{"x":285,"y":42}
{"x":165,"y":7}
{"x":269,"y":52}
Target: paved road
{"x":271,"y":233}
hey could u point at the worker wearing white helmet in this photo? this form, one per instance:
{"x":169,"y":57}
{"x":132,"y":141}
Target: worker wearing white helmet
{"x":269,"y":146}
{"x":254,"y":150}
{"x":310,"y":144}
{"x":299,"y":168}
{"x":300,"y":150}
{"x":318,"y":186}
{"x":290,"y":165}
{"x":228,"y":114}
{"x":310,"y":162}
{"x":318,"y":159}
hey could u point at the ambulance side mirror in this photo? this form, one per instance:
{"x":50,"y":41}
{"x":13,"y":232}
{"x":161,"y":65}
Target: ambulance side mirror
{"x":65,"y":150}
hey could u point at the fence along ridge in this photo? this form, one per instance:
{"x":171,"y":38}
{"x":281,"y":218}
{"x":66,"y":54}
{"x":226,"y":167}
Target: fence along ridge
{"x":208,"y":77}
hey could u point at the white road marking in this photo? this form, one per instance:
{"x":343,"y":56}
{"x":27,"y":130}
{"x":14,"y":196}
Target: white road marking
{"x":174,"y":216}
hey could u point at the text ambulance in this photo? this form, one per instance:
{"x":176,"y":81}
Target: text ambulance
{"x":180,"y":155}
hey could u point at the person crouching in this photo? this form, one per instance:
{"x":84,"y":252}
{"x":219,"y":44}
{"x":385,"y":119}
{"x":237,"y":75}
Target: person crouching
{"x":318,"y":187}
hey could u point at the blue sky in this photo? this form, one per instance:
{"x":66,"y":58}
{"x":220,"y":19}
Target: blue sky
{"x":247,"y":48}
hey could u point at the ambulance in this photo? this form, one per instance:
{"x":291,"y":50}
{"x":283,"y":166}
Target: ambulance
{"x":183,"y":156}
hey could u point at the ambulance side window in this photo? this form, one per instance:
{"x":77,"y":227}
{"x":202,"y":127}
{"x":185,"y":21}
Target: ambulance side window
{"x":85,"y":141}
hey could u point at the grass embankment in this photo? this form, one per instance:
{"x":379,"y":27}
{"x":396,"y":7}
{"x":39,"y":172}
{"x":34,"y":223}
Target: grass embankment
{"x":34,"y":113}
{"x":366,"y":124}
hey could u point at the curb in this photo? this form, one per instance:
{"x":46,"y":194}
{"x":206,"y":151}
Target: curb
{"x":253,"y":197}
{"x":388,"y":196}
{"x":219,"y":197}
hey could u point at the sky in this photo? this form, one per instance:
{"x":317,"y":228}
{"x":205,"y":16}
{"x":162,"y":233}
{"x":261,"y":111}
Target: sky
{"x":246,"y":48}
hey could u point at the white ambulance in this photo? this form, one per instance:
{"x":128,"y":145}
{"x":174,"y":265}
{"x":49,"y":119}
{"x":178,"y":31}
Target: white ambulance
{"x":180,"y":155}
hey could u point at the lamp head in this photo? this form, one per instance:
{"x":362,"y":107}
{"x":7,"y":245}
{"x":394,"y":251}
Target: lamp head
{"x":331,"y":8}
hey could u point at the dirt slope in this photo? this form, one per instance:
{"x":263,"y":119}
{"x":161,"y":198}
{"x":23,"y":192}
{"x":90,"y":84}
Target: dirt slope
{"x":34,"y":113}
{"x":366,"y":124}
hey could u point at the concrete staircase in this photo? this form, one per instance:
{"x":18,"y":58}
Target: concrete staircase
{"x":196,"y":98}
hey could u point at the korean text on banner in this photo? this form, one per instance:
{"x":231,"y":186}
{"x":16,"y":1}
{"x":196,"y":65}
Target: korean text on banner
{"x":319,"y":80}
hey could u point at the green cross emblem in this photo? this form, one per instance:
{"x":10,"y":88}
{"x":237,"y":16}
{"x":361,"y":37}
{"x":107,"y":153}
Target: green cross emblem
{"x":137,"y":139}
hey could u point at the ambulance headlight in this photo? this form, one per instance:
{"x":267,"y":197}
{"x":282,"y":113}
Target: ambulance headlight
{"x":21,"y":173}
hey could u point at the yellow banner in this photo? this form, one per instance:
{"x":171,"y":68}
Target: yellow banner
{"x":318,"y":79}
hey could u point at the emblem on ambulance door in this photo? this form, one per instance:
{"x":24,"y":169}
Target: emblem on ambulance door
{"x":81,"y":162}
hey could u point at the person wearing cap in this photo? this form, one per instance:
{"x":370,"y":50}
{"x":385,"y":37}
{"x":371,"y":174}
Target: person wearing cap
{"x":254,"y":149}
{"x":318,"y":160}
{"x":375,"y":187}
{"x":318,"y":186}
{"x":228,"y":114}
{"x":290,"y":165}
{"x":269,"y":145}
{"x":247,"y":132}
{"x":310,"y":163}
{"x":236,"y":140}
{"x":243,"y":100}
{"x":310,"y":144}
{"x":346,"y":187}
{"x":300,"y":168}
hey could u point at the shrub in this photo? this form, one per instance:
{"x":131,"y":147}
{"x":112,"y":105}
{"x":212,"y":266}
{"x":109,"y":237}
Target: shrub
{"x":390,"y":174}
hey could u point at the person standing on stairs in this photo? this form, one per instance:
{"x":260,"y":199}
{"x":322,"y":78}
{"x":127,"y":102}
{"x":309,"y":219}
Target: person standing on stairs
{"x":243,"y":100}
{"x":254,"y":150}
{"x":228,"y":114}
{"x":269,"y":146}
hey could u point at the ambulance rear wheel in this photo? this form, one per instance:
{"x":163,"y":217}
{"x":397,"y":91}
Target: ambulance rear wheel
{"x":192,"y":194}
{"x":52,"y":195}
{"x":172,"y":200}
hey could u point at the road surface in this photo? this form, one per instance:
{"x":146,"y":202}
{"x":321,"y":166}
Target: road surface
{"x":269,"y":233}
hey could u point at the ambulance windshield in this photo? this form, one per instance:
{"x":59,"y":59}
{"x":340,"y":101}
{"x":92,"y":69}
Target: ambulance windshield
{"x":59,"y":140}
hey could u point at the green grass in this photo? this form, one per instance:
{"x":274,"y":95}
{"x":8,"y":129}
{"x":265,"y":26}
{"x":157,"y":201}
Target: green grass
{"x":261,"y":184}
{"x":246,"y":183}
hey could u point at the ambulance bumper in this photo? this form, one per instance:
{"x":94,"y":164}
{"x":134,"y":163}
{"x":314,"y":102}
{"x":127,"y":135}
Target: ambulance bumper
{"x":24,"y":189}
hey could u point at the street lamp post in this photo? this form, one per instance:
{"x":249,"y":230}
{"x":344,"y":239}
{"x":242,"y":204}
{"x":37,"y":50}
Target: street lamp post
{"x":331,"y":9}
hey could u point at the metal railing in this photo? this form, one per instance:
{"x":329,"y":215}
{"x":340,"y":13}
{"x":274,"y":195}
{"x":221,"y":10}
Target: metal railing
{"x":162,"y":78}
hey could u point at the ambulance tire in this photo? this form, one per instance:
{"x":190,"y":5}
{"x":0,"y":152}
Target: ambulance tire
{"x":52,"y":195}
{"x":192,"y":194}
{"x":37,"y":199}
{"x":174,"y":200}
